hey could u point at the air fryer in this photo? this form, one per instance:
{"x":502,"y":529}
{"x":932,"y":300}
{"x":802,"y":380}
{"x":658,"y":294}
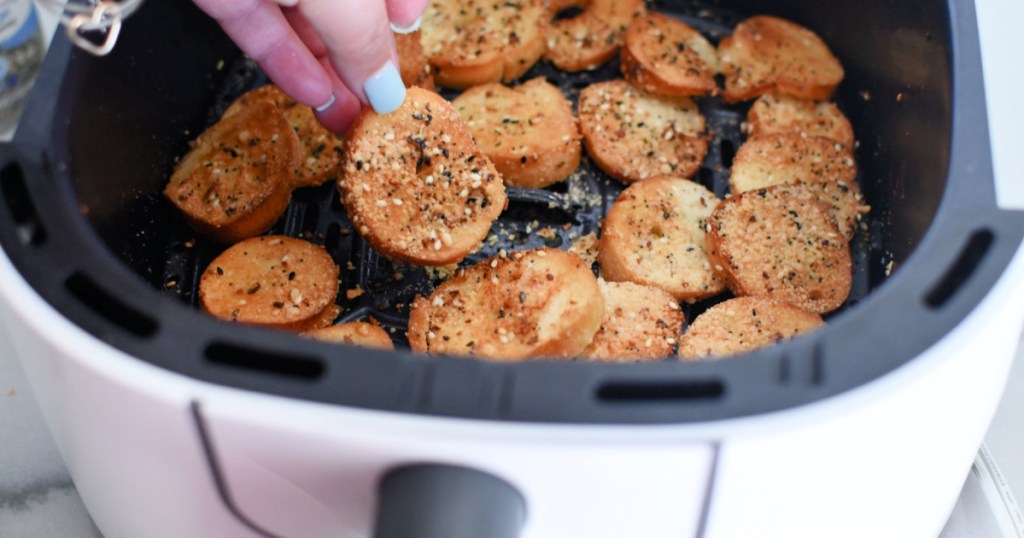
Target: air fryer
{"x":85,"y":226}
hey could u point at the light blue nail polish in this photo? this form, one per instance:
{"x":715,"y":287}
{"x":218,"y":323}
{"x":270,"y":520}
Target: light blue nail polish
{"x":384,"y":89}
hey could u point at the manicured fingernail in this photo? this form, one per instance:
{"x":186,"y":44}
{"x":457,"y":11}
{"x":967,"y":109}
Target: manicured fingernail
{"x":412,"y":27}
{"x":384,"y":89}
{"x":326,"y":105}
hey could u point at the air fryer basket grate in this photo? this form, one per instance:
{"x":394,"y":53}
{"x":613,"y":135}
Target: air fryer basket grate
{"x":373,"y":286}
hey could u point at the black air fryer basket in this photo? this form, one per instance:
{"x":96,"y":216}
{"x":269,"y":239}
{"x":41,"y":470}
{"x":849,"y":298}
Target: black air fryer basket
{"x":83,"y":219}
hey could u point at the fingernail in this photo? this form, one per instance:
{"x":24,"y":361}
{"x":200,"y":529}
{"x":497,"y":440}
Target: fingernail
{"x":412,"y":27}
{"x":326,"y":105}
{"x":384,"y":89}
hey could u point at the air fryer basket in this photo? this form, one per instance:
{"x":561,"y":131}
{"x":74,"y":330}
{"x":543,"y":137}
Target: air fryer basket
{"x":84,"y":222}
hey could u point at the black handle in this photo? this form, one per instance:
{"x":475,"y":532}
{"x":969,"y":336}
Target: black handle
{"x":445,"y":501}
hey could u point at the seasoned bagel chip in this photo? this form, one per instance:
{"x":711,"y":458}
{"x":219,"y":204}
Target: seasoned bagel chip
{"x":415,"y":69}
{"x":415,"y":184}
{"x":633,"y":135}
{"x":273,"y":281}
{"x":537,"y":303}
{"x":654,"y":235}
{"x":771,"y":55}
{"x":321,"y":149}
{"x":664,"y":55}
{"x":743,"y":324}
{"x":238,"y":176}
{"x":528,"y":131}
{"x":780,"y":242}
{"x":821,"y":164}
{"x":774,"y":114}
{"x":593,"y":36}
{"x":470,"y":42}
{"x":640,"y":323}
{"x":356,"y":333}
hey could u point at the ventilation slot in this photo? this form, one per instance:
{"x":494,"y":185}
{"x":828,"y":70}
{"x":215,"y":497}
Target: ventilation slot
{"x":12,"y":184}
{"x":108,"y":306}
{"x":966,"y":263}
{"x":683,"y":391}
{"x":263,"y":361}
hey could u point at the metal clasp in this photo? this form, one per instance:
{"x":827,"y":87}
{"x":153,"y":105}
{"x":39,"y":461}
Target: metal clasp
{"x":83,"y":20}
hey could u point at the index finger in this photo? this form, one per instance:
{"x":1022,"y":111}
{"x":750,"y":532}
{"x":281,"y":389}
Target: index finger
{"x":262,"y":32}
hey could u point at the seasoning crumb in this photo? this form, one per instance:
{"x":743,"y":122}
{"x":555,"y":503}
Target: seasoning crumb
{"x":354,"y":292}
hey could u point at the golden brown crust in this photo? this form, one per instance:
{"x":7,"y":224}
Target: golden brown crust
{"x":471,"y":42}
{"x":772,"y":114}
{"x":412,"y":62}
{"x":355,"y":333}
{"x":820,"y":163}
{"x":743,"y":324}
{"x":592,"y":37}
{"x":415,"y":184}
{"x":780,"y":242}
{"x":767,"y":54}
{"x":237,"y":178}
{"x":272,"y":281}
{"x":633,"y":135}
{"x":654,"y":235}
{"x":640,"y":323}
{"x":321,"y":149}
{"x":538,"y":303}
{"x":528,"y":132}
{"x":664,"y":55}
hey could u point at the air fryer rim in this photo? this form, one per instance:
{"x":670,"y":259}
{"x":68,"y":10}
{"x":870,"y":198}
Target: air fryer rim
{"x":964,"y":251}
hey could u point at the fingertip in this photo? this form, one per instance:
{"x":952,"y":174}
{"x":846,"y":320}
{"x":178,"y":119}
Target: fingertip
{"x":338,"y":116}
{"x":405,"y":14}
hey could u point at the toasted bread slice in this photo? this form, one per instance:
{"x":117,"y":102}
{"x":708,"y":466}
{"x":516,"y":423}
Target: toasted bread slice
{"x":238,"y":177}
{"x":633,"y":135}
{"x":321,"y":149}
{"x":772,"y":114}
{"x":822,"y":164}
{"x":538,"y":303}
{"x":273,"y":281}
{"x":767,"y":54}
{"x":780,"y":242}
{"x":412,"y":61}
{"x":528,"y":131}
{"x":415,"y":184}
{"x":664,"y":55}
{"x":743,"y":324}
{"x":640,"y":323}
{"x":654,"y":235}
{"x":356,"y":333}
{"x":471,"y":42}
{"x":592,"y":37}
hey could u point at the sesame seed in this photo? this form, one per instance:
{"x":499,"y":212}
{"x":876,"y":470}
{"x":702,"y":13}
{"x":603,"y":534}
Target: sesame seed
{"x":382,"y":203}
{"x":396,"y":201}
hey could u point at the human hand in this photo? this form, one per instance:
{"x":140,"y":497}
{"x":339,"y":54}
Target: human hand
{"x":333,"y":55}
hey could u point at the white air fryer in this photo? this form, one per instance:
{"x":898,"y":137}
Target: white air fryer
{"x":175,"y":424}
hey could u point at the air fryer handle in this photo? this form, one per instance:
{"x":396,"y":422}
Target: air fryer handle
{"x":445,"y":501}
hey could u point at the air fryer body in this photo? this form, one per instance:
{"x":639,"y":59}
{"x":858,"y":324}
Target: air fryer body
{"x":158,"y":454}
{"x":175,"y":425}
